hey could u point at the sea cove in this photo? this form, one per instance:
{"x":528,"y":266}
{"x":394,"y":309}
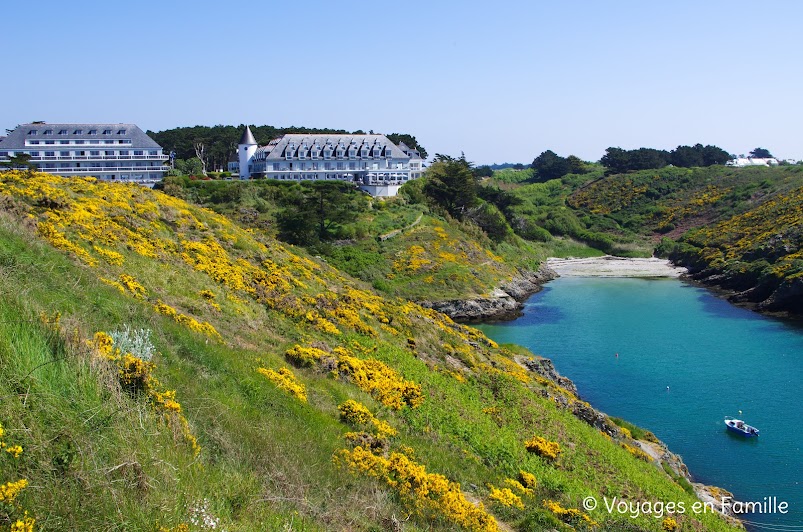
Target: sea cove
{"x":677,"y":360}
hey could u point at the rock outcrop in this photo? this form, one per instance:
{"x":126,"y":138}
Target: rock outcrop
{"x":504,"y":303}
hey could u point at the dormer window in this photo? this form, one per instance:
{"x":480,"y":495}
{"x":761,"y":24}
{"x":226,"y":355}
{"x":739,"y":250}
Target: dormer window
{"x":364,"y":151}
{"x":353,"y":152}
{"x":327,"y":152}
{"x":78,"y":132}
{"x":62,"y":131}
{"x":48,"y":132}
{"x":33,"y":132}
{"x":288,"y":152}
{"x":93,"y":131}
{"x":121,"y":132}
{"x":107,"y":131}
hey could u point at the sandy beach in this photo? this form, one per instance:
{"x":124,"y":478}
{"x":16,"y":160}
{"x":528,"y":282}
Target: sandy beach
{"x":609,"y":266}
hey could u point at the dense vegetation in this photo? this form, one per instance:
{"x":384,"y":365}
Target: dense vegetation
{"x":171,"y":370}
{"x":408,"y":246}
{"x":737,"y":228}
{"x":617,"y":160}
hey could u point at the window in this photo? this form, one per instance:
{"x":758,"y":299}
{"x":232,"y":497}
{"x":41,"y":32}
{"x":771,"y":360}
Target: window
{"x":48,"y":132}
{"x":3,"y":154}
{"x":121,"y":132}
{"x":62,"y":131}
{"x":34,"y":142}
{"x":34,"y":154}
{"x":80,"y":153}
{"x":136,"y":152}
{"x":64,"y":153}
{"x":78,"y":132}
{"x":108,"y":142}
{"x":107,"y":131}
{"x":96,"y":153}
{"x":50,"y":142}
{"x":340,"y":153}
{"x":153,"y":152}
{"x":33,"y":132}
{"x":93,"y":131}
{"x":108,"y":153}
{"x":50,"y":154}
{"x":64,"y":142}
{"x":79,"y":141}
{"x":124,"y":152}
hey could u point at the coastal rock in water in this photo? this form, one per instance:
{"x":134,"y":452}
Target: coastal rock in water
{"x":787,"y":297}
{"x":503,"y":303}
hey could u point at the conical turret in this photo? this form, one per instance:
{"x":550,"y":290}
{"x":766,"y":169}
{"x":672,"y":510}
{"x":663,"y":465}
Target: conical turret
{"x":246,"y":149}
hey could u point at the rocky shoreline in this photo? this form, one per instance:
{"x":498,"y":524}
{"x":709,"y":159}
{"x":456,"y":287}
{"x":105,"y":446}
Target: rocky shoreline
{"x":779,"y":299}
{"x":504,"y":303}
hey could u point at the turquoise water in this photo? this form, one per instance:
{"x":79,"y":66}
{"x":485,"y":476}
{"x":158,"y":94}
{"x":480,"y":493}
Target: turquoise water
{"x":686,"y":360}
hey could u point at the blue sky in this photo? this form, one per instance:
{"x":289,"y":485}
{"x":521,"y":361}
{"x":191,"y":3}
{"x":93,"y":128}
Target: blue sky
{"x":500,"y":81}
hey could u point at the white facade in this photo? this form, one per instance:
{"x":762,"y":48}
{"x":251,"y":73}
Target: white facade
{"x":115,"y":152}
{"x":372,"y":162}
{"x":741,"y":162}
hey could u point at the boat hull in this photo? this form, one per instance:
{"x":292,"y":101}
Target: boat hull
{"x":741,"y":428}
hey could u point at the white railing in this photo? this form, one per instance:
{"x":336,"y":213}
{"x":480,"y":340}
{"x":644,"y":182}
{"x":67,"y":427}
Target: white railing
{"x":98,"y":158}
{"x":106,"y":169}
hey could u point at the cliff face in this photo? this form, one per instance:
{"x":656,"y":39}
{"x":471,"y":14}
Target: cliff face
{"x":504,"y":303}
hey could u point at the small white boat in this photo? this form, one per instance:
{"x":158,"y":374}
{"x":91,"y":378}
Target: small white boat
{"x":740,"y":427}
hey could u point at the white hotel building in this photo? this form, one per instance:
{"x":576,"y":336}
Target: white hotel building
{"x":373,"y":162}
{"x":115,"y":152}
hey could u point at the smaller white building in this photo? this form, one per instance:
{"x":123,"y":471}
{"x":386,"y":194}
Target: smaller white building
{"x":372,"y":162}
{"x":741,"y":162}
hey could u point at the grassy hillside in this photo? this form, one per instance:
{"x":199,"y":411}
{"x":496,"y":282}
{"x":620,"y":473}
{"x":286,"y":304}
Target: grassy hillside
{"x":399,"y":247}
{"x":738,"y":228}
{"x":279,"y":393}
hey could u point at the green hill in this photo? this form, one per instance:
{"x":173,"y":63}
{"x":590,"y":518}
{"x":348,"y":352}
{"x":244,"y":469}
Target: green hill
{"x":401,"y":247}
{"x":164,"y":368}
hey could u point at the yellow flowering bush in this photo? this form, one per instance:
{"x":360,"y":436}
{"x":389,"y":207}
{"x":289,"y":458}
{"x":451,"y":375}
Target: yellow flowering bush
{"x":285,"y":380}
{"x":669,"y":524}
{"x":506,"y":497}
{"x":429,"y":494}
{"x":543,"y":447}
{"x":190,"y":322}
{"x":304,"y":356}
{"x":527,"y":479}
{"x":635,"y":451}
{"x":518,"y":486}
{"x":569,"y":515}
{"x":110,"y":256}
{"x":356,"y":413}
{"x":381,"y":381}
{"x":10,"y":509}
{"x":135,"y":376}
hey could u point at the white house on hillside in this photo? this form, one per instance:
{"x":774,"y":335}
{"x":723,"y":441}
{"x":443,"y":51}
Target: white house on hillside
{"x":741,"y":162}
{"x":373,"y":162}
